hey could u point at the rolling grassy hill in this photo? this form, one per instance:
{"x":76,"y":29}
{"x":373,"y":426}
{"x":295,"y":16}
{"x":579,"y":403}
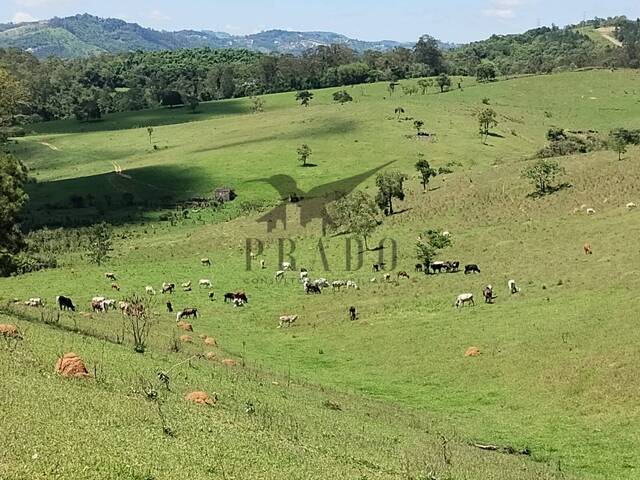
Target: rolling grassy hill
{"x":559,"y":362}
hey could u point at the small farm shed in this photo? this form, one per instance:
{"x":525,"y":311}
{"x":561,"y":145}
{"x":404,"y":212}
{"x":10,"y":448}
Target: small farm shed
{"x":224,"y":194}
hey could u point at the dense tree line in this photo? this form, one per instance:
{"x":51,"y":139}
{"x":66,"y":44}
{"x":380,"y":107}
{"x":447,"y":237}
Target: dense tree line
{"x":92,"y":87}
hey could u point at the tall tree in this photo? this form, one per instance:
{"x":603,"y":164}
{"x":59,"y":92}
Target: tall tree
{"x":355,"y":213}
{"x":13,"y":176}
{"x":427,"y":51}
{"x":487,"y":118}
{"x":425,"y":171}
{"x":425,"y":84}
{"x":618,"y":144}
{"x":390,"y":185}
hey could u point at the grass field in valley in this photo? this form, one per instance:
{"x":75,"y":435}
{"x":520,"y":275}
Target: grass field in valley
{"x":558,"y":373}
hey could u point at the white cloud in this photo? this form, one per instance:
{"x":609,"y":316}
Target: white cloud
{"x":503,"y":9}
{"x":158,"y":16}
{"x":20,"y":17}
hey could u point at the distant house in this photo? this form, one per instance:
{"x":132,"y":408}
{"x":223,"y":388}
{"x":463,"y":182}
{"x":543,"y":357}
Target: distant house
{"x":224,"y":194}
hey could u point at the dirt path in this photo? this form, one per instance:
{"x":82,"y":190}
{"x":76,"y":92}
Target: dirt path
{"x":607,"y":32}
{"x":52,"y":147}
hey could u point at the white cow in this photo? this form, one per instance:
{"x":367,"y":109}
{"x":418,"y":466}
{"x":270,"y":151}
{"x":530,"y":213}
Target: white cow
{"x":287,"y":320}
{"x":513,"y":288}
{"x":149,"y":290}
{"x":286,"y":266}
{"x":631,"y":206}
{"x":464,"y":299}
{"x":34,"y":302}
{"x":352,"y":284}
{"x":279,"y":275}
{"x":304,"y":275}
{"x":591,"y":211}
{"x":205,"y":283}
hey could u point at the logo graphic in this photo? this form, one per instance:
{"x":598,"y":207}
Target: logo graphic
{"x":313,"y":203}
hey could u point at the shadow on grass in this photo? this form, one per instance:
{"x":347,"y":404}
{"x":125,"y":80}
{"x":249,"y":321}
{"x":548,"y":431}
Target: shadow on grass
{"x":145,"y":118}
{"x":342,"y":127}
{"x":117,"y":199}
{"x":550,"y":190}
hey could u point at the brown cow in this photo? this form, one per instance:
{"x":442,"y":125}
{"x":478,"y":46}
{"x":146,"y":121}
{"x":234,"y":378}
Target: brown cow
{"x":587,"y":249}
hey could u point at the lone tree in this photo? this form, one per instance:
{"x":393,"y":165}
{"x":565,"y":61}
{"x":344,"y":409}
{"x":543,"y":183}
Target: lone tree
{"x":399,"y":111}
{"x":425,"y":84}
{"x":304,"y":97}
{"x":99,"y":243}
{"x":418,"y":124}
{"x":150,"y":133}
{"x":390,"y":185}
{"x":425,"y":171}
{"x":355,"y":213}
{"x":486,"y":71}
{"x":487,"y":118}
{"x":342,"y":97}
{"x":428,"y":246}
{"x":543,"y":174}
{"x":443,"y":81}
{"x":138,"y":317}
{"x":13,"y":176}
{"x":618,"y":144}
{"x":257,"y":104}
{"x":304,"y":152}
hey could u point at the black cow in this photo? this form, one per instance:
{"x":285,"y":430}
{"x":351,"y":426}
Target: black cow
{"x":312,"y":288}
{"x":471,"y":268}
{"x":378,"y":266}
{"x":419,"y":267}
{"x":437,"y":267}
{"x":65,"y":303}
{"x":353,"y":313}
{"x":169,"y":307}
{"x":452,"y":267}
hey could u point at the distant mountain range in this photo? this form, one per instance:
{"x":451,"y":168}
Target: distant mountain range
{"x":85,"y":35}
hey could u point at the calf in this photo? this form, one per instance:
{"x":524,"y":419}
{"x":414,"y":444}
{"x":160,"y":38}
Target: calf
{"x":287,"y":320}
{"x":378,"y":266}
{"x":65,"y":303}
{"x":149,"y":290}
{"x":115,"y":286}
{"x":403,"y":275}
{"x":471,"y":268}
{"x":205,"y":262}
{"x":205,"y":283}
{"x":279,"y":275}
{"x":511,"y":285}
{"x":168,"y":287}
{"x":110,"y":276}
{"x":419,"y":267}
{"x":587,"y":249}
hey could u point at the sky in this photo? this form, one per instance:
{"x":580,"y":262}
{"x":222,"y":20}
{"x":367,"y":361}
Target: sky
{"x":404,"y":20}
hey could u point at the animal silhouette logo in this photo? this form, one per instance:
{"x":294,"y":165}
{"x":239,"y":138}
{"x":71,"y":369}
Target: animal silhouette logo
{"x":312,"y":204}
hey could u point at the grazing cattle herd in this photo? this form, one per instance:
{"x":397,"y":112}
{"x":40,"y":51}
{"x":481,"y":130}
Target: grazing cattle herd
{"x":100,"y":304}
